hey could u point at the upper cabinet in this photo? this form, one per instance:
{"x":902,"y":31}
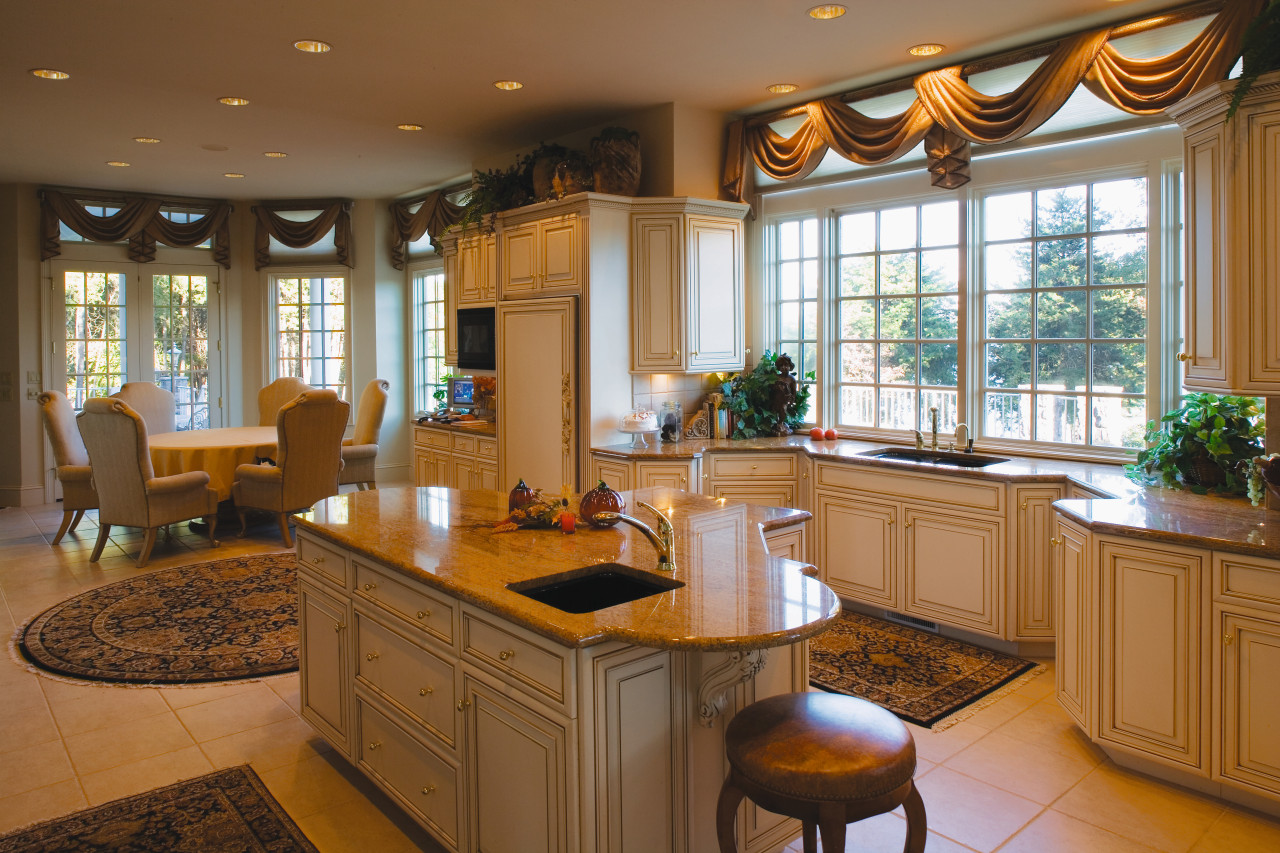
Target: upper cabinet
{"x":470,"y":275}
{"x":541,"y":256}
{"x":1232,"y":185}
{"x":687,"y":287}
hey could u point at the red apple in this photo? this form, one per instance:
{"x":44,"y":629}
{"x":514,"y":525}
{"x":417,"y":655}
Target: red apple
{"x":816,"y":433}
{"x":830,"y":435}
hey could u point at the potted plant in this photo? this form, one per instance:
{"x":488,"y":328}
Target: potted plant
{"x":1201,"y":444}
{"x":767,"y":400}
{"x":1259,"y":50}
{"x":495,"y":191}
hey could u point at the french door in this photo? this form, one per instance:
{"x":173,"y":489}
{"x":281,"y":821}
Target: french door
{"x":122,"y":322}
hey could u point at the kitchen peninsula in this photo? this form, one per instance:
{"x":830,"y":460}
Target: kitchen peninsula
{"x":504,"y":724}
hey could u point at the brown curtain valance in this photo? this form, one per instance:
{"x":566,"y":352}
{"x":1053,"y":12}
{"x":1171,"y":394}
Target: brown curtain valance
{"x":952,"y":114}
{"x":139,"y":221}
{"x":433,"y":217}
{"x":334,"y":215}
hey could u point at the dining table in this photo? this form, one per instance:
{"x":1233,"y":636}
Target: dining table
{"x":217,"y":451}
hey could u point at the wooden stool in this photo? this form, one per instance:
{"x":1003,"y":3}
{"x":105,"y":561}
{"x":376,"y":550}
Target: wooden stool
{"x":824,"y":758}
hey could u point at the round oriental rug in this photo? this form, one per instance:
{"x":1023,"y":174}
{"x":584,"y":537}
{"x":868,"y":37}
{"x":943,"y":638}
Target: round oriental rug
{"x":215,"y":621}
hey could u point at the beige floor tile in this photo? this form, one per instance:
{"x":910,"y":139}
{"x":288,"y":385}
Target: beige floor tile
{"x":884,"y":834}
{"x":24,"y":725}
{"x":186,"y":695}
{"x":1002,"y":711}
{"x":314,"y":785}
{"x":1139,"y":808}
{"x":267,"y":747}
{"x":288,"y":689}
{"x":1054,"y":832}
{"x":35,"y":766}
{"x":23,"y":810}
{"x":145,"y":775}
{"x":937,"y":747}
{"x":102,"y":708}
{"x":1046,"y":726}
{"x":361,"y":825}
{"x":1041,"y":775}
{"x":125,"y":743}
{"x":1235,"y":832}
{"x":971,"y":812}
{"x":221,"y":717}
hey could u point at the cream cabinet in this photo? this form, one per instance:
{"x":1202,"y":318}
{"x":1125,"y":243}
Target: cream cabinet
{"x":1031,"y":599}
{"x":541,"y":255}
{"x":444,"y":457}
{"x":323,"y":623}
{"x":767,"y":479}
{"x":470,"y":275}
{"x":687,"y":290}
{"x":625,"y":474}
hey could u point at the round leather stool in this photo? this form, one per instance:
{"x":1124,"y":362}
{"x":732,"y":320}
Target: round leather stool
{"x":824,"y":758}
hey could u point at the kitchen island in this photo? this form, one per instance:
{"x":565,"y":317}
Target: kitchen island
{"x":501,"y":723}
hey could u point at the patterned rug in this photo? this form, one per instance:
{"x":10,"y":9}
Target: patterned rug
{"x":926,"y":679}
{"x":215,"y":621}
{"x":229,"y":811}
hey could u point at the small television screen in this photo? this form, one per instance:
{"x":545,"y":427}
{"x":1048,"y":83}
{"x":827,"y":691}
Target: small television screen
{"x":462,"y":392}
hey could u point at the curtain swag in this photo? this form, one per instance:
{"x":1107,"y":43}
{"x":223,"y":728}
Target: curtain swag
{"x":948,"y":114}
{"x":433,"y":217}
{"x":139,"y":221}
{"x":335,"y":216}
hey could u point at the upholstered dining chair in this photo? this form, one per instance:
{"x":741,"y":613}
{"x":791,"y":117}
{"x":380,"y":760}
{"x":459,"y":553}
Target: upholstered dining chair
{"x":308,"y":460}
{"x":360,"y":452}
{"x":153,"y":403}
{"x":129,"y":493}
{"x":276,"y":394}
{"x":71,"y":459}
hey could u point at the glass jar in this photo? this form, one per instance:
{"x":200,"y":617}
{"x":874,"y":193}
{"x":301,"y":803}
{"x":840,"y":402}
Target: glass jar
{"x":671,"y":421}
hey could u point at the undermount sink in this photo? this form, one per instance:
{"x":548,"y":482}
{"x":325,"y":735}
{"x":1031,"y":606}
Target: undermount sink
{"x":935,"y":457}
{"x":594,"y":587}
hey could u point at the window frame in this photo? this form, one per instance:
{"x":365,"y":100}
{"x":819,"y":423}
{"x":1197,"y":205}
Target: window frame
{"x":271,"y":351}
{"x":421,"y":397}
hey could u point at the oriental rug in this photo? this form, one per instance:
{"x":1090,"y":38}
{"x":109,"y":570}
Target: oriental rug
{"x":214,"y":621}
{"x":924,"y":678}
{"x":229,"y":811}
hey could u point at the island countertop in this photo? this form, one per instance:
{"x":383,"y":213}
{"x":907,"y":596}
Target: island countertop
{"x":734,"y":595}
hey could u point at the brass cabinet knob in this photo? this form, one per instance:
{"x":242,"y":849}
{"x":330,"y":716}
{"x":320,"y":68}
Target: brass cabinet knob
{"x":694,"y":353}
{"x":1182,"y":356}
{"x":371,"y":656}
{"x":339,"y":626}
{"x":370,"y":586}
{"x":1227,"y":639}
{"x":426,"y":691}
{"x":429,"y":789}
{"x":754,"y":467}
{"x":423,"y":614}
{"x":374,"y":745}
{"x":907,"y":526}
{"x":464,"y":704}
{"x":506,"y":654}
{"x":318,"y":559}
{"x":1055,"y":541}
{"x":889,"y":523}
{"x":1023,"y":506}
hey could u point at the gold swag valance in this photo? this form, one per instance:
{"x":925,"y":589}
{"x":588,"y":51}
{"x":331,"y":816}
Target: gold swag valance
{"x":433,"y":217}
{"x":333,"y":215}
{"x":948,"y":114}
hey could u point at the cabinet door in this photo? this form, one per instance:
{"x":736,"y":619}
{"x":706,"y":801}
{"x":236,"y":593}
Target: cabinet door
{"x":857,"y":548}
{"x":1151,"y":674}
{"x":1030,"y":575}
{"x":953,"y":568}
{"x":760,"y":494}
{"x":519,"y":791}
{"x":615,"y":473}
{"x":451,"y":284}
{"x":1248,"y":649}
{"x":657,"y":315}
{"x":559,"y":248}
{"x":715,"y":295}
{"x":325,"y":680}
{"x":669,"y":475}
{"x":432,"y":468}
{"x":462,"y":472}
{"x":519,"y":259}
{"x":473,"y":269}
{"x":1075,"y":651}
{"x":486,"y":475}
{"x":1205,"y":297}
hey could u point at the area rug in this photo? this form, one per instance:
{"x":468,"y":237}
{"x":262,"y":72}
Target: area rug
{"x":229,"y":811}
{"x":214,"y":621}
{"x":924,"y":678}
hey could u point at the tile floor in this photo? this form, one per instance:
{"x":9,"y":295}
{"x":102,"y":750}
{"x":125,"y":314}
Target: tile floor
{"x":1015,"y":778}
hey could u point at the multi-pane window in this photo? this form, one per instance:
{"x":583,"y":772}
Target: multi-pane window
{"x":428,"y":337}
{"x":897,"y":314}
{"x":311,"y":330}
{"x":798,"y":257}
{"x":95,"y":334}
{"x":1064,"y":310}
{"x":180,"y":310}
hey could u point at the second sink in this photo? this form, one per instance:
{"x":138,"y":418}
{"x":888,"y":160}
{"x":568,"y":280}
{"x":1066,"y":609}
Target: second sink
{"x":935,"y":457}
{"x":599,"y":586}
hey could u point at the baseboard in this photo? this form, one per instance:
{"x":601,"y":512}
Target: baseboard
{"x":22,"y":495}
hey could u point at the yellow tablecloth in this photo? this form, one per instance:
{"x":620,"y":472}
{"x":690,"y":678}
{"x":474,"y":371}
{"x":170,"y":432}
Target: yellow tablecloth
{"x":217,"y":451}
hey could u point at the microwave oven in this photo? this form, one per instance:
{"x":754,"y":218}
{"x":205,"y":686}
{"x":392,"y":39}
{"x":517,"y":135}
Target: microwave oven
{"x":476,"y":341}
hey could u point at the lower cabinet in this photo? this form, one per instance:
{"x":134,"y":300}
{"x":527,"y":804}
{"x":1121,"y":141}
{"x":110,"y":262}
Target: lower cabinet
{"x":767,"y":479}
{"x":626,"y":474}
{"x":325,"y":662}
{"x":446,"y":458}
{"x":1077,"y":621}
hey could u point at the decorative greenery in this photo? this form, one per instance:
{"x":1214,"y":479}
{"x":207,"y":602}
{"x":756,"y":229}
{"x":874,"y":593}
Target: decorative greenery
{"x":497,"y":190}
{"x":1205,"y":439}
{"x":1259,"y":471}
{"x":751,"y":397}
{"x":1260,"y":50}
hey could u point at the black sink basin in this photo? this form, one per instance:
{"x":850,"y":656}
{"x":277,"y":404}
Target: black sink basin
{"x":594,"y":587}
{"x":935,"y":457}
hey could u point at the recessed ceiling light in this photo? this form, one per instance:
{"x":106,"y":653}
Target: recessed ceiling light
{"x":508,"y":85}
{"x":233,"y":174}
{"x":120,"y":163}
{"x":313,"y":46}
{"x":276,"y":155}
{"x":782,"y":88}
{"x":50,"y":74}
{"x":149,"y":140}
{"x":926,"y":49}
{"x":826,"y":13}
{"x":409,"y":127}
{"x":234,"y":102}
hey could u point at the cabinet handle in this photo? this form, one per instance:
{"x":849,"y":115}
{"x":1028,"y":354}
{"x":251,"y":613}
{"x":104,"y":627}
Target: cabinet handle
{"x":684,"y":480}
{"x":694,"y":353}
{"x":464,"y":704}
{"x":1055,"y":541}
{"x":889,"y":523}
{"x":1182,"y":356}
{"x":1023,"y":506}
{"x":317,"y":559}
{"x":1227,"y":639}
{"x":339,"y":626}
{"x":804,"y":476}
{"x":426,"y":691}
{"x":371,"y":656}
{"x":753,"y":467}
{"x":370,"y":586}
{"x":423,"y":614}
{"x":704,"y":476}
{"x":374,"y":744}
{"x":507,"y":654}
{"x":907,"y":526}
{"x":428,"y":790}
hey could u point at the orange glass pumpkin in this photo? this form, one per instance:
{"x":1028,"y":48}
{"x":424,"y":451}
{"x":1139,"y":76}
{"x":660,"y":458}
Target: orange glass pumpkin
{"x":600,"y":499}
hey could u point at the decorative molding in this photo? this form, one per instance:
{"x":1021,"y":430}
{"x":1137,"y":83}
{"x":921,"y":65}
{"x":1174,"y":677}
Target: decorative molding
{"x":713,"y":690}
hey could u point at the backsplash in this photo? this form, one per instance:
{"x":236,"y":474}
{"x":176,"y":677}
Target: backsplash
{"x":653,"y":389}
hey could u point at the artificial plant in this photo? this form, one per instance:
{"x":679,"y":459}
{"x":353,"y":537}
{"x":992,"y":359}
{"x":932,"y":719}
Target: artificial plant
{"x":1200,"y":444}
{"x":751,"y":398}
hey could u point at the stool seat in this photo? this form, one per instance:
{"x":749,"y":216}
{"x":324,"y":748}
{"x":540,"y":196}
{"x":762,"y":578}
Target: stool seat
{"x":824,"y":758}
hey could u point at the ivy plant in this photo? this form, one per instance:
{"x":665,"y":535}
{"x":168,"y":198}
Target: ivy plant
{"x":750,"y":396}
{"x":1201,"y":444}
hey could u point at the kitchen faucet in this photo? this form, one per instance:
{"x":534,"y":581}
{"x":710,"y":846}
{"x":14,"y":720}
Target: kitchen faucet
{"x":933,"y":427}
{"x":663,"y":540}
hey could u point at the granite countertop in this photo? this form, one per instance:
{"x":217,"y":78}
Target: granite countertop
{"x":735,"y":596}
{"x":486,"y":428}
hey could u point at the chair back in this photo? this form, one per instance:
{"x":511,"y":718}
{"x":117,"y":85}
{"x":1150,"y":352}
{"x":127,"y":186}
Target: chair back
{"x":309,"y":432}
{"x":275,"y":395}
{"x":369,"y":412}
{"x":116,"y":439}
{"x":60,"y":426}
{"x":153,"y":403}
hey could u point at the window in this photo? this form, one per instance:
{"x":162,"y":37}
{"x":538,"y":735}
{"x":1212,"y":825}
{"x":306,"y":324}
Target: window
{"x":429,"y":368}
{"x":310,"y":340}
{"x":95,"y":330}
{"x":180,"y":312}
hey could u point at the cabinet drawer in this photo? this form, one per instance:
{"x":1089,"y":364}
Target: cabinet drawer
{"x":464,"y":444}
{"x":752,"y":464}
{"x":1249,"y":581}
{"x":487,"y":447}
{"x":323,"y":560}
{"x":418,"y":682}
{"x":431,"y":438}
{"x":905,"y":485}
{"x":537,"y":663}
{"x":423,"y":782}
{"x":435,"y":614}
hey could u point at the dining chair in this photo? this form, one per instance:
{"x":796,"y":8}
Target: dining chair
{"x":70,"y":458}
{"x":360,"y":452}
{"x":308,"y":460}
{"x":275,"y":394}
{"x":153,"y":403}
{"x":129,"y":493}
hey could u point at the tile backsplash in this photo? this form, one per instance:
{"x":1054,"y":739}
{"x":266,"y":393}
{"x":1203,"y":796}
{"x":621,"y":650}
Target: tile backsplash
{"x":653,"y":389}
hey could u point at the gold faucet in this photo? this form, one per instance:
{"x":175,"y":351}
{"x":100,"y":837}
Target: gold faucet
{"x":663,"y":539}
{"x":933,"y":427}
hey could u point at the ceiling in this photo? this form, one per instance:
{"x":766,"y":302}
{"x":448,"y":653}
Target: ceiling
{"x":156,"y":68}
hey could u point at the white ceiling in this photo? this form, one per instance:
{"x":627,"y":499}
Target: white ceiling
{"x":156,"y":67}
